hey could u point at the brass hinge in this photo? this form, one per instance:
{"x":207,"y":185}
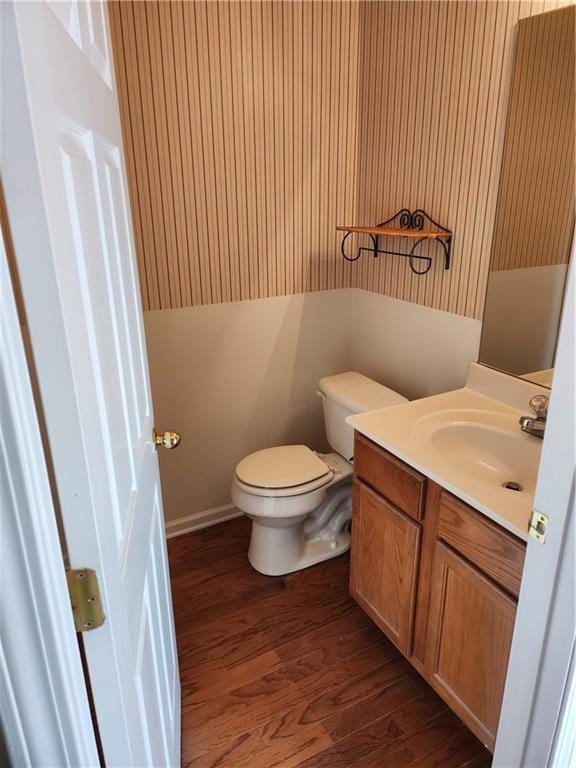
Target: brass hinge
{"x":538,"y":526}
{"x":85,"y":597}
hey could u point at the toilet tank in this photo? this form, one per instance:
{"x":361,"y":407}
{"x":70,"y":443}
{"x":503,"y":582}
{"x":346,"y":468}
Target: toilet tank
{"x":345,"y":394}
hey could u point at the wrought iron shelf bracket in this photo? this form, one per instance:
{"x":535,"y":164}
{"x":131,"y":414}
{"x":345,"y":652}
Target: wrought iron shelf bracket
{"x":404,"y":224}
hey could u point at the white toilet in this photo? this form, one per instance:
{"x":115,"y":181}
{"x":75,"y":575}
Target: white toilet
{"x":300,"y":501}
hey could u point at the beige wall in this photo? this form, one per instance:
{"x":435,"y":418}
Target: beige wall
{"x":237,"y":377}
{"x":523,"y":308}
{"x":418,"y":351}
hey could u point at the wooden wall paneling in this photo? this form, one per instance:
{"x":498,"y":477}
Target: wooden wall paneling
{"x":253,"y":128}
{"x":273,"y":130}
{"x":316,"y":191}
{"x":163,"y":119}
{"x":237,"y":170}
{"x":124,"y":44}
{"x":469,"y":94}
{"x":185,"y":186}
{"x":430,"y":150}
{"x":348,"y":171}
{"x":536,"y":202}
{"x":228,"y":188}
{"x":324,"y":190}
{"x":173,"y":119}
{"x":153,"y":147}
{"x":196,"y":200}
{"x":335,"y":107}
{"x":477,"y":190}
{"x":285,"y":27}
{"x":506,"y":17}
{"x":206,"y":40}
{"x":422,"y":74}
{"x":444,"y":157}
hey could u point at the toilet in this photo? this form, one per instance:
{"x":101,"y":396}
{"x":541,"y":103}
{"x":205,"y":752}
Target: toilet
{"x":300,"y":501}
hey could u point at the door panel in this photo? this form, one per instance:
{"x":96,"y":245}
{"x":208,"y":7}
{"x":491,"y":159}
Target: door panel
{"x":86,"y":331}
{"x":471,"y":625}
{"x":86,"y":25}
{"x":384,"y":561}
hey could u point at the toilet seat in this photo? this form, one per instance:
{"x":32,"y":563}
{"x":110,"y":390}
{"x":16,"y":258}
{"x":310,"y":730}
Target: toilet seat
{"x":287,"y":470}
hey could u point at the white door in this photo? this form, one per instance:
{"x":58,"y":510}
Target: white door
{"x":65,"y":188}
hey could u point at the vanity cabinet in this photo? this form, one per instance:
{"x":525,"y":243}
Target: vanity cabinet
{"x":384,"y":563}
{"x":469,"y":637}
{"x":440,"y":579}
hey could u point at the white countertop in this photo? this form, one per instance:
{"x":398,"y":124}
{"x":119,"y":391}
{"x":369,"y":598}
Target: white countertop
{"x":402,"y":430}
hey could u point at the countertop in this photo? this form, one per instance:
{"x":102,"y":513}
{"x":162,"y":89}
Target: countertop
{"x":402,"y":430}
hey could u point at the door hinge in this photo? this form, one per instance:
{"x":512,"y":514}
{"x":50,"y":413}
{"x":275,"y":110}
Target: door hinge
{"x":538,"y":526}
{"x":85,"y":597}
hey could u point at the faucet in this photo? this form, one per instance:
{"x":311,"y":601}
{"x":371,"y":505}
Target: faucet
{"x":536,"y":427}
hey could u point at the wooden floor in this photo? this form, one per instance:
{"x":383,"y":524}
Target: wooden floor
{"x":288,"y":671}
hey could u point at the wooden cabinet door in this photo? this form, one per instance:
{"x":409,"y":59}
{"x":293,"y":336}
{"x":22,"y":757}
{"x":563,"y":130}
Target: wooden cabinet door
{"x":384,"y":563}
{"x":469,"y":637}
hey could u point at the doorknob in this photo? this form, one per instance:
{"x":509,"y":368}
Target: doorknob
{"x":168,"y":439}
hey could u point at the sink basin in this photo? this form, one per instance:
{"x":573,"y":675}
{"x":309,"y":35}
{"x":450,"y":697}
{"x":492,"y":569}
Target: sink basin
{"x":486,"y":446}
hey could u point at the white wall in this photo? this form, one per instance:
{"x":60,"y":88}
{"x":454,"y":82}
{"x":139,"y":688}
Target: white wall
{"x":413,"y":349}
{"x":521,"y":318}
{"x":237,"y":377}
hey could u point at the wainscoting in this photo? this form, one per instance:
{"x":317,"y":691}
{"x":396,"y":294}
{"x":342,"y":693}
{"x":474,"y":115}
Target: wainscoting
{"x":237,"y":377}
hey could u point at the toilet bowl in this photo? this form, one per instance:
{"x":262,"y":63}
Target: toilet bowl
{"x":300,"y":501}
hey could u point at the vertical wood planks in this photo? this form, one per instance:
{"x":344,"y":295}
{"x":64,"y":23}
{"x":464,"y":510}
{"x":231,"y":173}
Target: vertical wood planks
{"x":240,"y":135}
{"x":253,"y":128}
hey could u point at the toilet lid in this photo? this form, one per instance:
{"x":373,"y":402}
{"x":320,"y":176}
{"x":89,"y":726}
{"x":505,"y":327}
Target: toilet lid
{"x":282,"y":467}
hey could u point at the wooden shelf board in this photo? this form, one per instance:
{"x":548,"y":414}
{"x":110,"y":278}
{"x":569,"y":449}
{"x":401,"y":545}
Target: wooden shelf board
{"x":396,"y":232}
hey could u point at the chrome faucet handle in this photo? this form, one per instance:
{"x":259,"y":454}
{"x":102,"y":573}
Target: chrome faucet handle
{"x":539,"y":404}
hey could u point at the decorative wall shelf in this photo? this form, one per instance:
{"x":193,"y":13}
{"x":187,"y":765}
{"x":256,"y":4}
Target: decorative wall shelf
{"x":406,"y":224}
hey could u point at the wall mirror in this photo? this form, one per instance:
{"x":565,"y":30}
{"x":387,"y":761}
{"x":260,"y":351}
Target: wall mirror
{"x":535,"y":211}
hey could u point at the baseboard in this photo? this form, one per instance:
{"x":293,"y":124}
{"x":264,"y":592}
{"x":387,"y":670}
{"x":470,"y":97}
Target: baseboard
{"x":198,"y":520}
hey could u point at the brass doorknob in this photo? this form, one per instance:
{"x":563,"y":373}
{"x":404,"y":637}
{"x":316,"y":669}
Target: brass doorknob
{"x":168,"y":439}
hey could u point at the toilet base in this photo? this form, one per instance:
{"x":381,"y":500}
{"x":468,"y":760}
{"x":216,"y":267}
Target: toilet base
{"x":310,"y":552}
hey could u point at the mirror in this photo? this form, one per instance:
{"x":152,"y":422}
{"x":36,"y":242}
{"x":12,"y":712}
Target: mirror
{"x":535,"y":211}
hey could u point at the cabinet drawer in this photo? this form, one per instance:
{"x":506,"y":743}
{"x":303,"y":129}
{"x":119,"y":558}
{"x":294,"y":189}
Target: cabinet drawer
{"x":396,"y":481}
{"x":497,"y":553}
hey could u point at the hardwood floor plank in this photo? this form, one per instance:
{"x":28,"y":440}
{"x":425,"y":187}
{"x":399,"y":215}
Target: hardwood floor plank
{"x":231,"y":752}
{"x":415,"y":746}
{"x":344,"y":723}
{"x":457,"y":752}
{"x":335,"y":632}
{"x":378,"y":736}
{"x":483,"y":760}
{"x":313,"y":682}
{"x":288,"y":672}
{"x":212,"y":682}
